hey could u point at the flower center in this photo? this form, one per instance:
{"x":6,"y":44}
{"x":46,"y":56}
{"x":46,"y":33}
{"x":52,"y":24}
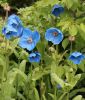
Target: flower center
{"x":55,"y":33}
{"x":30,"y":40}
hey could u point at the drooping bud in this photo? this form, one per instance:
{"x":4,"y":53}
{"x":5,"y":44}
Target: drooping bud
{"x":71,"y":38}
{"x":7,"y":7}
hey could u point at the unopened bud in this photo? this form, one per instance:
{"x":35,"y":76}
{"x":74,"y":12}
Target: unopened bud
{"x":7,"y":7}
{"x":71,"y":38}
{"x":51,"y":49}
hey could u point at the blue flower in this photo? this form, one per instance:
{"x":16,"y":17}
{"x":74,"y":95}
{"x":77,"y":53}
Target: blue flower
{"x":13,"y":27}
{"x":76,"y":57}
{"x":34,"y":57}
{"x":57,"y":9}
{"x":14,"y":19}
{"x":54,"y":35}
{"x":29,"y":39}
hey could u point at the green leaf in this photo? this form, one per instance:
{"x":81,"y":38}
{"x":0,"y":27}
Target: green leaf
{"x":78,"y":97}
{"x":13,"y":73}
{"x":57,"y":79}
{"x":76,"y":91}
{"x":43,"y":96}
{"x":37,"y":73}
{"x":22,"y":65}
{"x":36,"y":94}
{"x":68,"y":3}
{"x":51,"y":95}
{"x":65,"y":43}
{"x":81,"y":29}
{"x":73,"y":30}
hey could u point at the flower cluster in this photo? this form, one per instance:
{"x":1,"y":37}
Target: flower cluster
{"x":29,"y":39}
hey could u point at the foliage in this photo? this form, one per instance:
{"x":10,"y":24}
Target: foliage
{"x":29,"y":81}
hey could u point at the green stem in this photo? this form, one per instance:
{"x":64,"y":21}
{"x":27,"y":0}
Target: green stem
{"x":31,"y":70}
{"x":7,"y":65}
{"x":55,"y":92}
{"x":71,"y":47}
{"x":17,"y":79}
{"x":41,"y":82}
{"x":6,"y":16}
{"x":16,"y":87}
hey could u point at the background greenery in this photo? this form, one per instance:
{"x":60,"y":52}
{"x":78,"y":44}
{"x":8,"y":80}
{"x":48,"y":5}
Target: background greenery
{"x":54,"y":67}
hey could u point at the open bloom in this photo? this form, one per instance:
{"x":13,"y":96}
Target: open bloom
{"x":76,"y":57}
{"x":34,"y":57}
{"x":54,"y":35}
{"x":29,"y":39}
{"x":13,"y":27}
{"x":57,"y":9}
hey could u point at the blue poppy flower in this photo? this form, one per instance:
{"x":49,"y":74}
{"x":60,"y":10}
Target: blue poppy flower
{"x":29,"y":39}
{"x":54,"y":35}
{"x":76,"y":57}
{"x":13,"y":27}
{"x":57,"y":9}
{"x":14,"y":19}
{"x":34,"y":57}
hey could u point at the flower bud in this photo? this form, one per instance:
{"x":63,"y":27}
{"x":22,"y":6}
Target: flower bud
{"x":71,"y":38}
{"x":7,"y":7}
{"x":51,"y":49}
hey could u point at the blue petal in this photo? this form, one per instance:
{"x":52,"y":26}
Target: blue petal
{"x":76,"y":59}
{"x":20,"y":31}
{"x":37,"y":59}
{"x":12,"y":21}
{"x":57,"y":9}
{"x":57,"y":39}
{"x":76,"y":54}
{"x":31,"y":59}
{"x":31,"y":46}
{"x":36,"y":36}
{"x":10,"y":28}
{"x":49,"y":34}
{"x":9,"y":35}
{"x":54,"y":39}
{"x":26,"y":33}
{"x":32,"y":55}
{"x":37,"y":53}
{"x":14,"y":17}
{"x":4,"y":30}
{"x":23,"y":43}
